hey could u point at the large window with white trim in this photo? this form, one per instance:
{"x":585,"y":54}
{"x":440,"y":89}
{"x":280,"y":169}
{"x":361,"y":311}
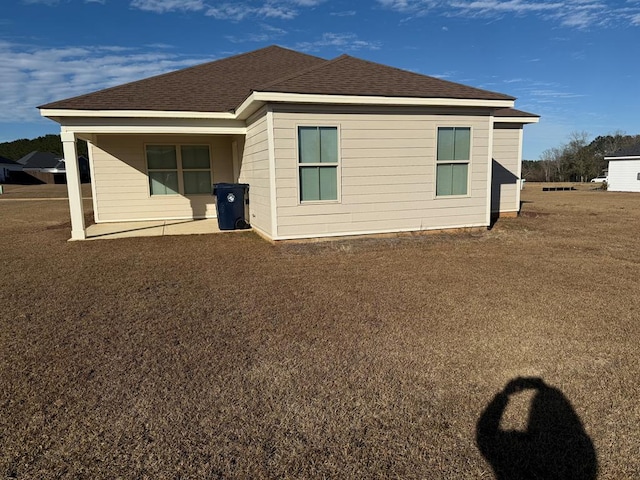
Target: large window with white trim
{"x":179,"y":169}
{"x":452,"y":162}
{"x":318,"y":163}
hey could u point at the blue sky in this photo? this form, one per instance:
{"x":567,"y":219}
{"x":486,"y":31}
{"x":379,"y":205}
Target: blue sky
{"x":573,"y":62}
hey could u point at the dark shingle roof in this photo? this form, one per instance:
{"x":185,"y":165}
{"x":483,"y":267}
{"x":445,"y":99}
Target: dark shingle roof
{"x":7,"y":161}
{"x":512,"y":112}
{"x":221,"y":86}
{"x":40,"y":160}
{"x":633,"y":151}
{"x":218,"y":86}
{"x":347,"y":75}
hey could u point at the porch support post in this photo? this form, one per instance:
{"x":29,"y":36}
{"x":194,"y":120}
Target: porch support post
{"x":73,"y":185}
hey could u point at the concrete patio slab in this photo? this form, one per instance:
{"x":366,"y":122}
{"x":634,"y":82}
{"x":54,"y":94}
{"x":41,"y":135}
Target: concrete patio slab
{"x":151,"y":228}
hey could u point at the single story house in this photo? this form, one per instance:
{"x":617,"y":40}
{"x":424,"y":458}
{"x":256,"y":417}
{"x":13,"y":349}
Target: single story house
{"x":8,"y":169}
{"x":328,"y":147}
{"x":624,"y":170}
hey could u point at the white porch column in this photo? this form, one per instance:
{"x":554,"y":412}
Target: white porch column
{"x":73,"y":185}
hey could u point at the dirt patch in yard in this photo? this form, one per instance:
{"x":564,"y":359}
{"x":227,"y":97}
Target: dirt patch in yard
{"x":223,"y":356}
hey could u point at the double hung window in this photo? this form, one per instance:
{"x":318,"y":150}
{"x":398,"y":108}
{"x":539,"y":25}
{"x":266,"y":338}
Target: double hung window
{"x":452,"y":162}
{"x":318,"y":163}
{"x":179,"y":169}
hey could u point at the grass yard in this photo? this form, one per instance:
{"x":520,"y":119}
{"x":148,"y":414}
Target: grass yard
{"x":222,"y":356}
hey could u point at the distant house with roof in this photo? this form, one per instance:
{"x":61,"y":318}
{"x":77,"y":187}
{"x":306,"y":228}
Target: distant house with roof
{"x":46,"y":167}
{"x":624,"y":170}
{"x":328,"y":147}
{"x":9,"y":170}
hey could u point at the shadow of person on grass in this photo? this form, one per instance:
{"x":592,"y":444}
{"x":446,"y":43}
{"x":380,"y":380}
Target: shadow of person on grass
{"x":553,"y":446}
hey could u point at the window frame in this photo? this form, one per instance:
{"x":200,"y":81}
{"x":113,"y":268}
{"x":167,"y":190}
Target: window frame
{"x":467,"y":162}
{"x":179,"y":170}
{"x":337,"y":165}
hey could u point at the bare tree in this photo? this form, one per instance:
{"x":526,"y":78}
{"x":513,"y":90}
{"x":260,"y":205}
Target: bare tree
{"x":550,"y":160}
{"x":580,"y":162}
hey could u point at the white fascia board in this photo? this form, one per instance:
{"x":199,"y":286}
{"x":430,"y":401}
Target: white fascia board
{"x":58,"y":112}
{"x":517,"y":119}
{"x":265,"y":97}
{"x":631,"y":157}
{"x":84,"y":126}
{"x":165,"y":129}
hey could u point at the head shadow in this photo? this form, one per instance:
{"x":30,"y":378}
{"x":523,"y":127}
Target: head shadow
{"x":554,"y":444}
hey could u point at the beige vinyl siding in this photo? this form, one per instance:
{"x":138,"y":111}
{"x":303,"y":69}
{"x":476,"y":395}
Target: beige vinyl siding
{"x":507,"y":149}
{"x":122,"y":186}
{"x":254,"y":170}
{"x":386,"y":174}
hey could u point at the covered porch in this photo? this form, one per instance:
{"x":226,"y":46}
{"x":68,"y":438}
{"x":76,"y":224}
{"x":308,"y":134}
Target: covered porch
{"x":133,"y":197}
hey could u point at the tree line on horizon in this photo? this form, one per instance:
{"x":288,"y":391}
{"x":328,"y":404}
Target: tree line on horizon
{"x":578,"y":160}
{"x":17,"y":149}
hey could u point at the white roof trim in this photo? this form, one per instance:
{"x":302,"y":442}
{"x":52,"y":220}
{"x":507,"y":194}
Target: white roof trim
{"x":257,"y":99}
{"x":516,"y":119}
{"x":263,"y":97}
{"x":630,"y":157}
{"x":58,"y":112}
{"x":151,"y":130}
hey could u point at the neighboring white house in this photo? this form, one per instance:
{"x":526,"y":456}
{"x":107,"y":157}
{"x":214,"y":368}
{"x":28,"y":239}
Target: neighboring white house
{"x":624,"y":170}
{"x":328,"y":147}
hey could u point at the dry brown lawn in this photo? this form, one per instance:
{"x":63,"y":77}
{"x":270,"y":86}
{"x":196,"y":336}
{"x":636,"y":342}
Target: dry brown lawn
{"x":222,"y":356}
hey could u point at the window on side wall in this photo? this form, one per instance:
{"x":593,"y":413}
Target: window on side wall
{"x":318,"y":163}
{"x":452,"y":162}
{"x":179,"y":169}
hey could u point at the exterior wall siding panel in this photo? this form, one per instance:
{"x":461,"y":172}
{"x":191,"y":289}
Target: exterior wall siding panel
{"x":505,"y":194}
{"x":255,"y":171}
{"x":623,"y":175}
{"x":387,"y":178}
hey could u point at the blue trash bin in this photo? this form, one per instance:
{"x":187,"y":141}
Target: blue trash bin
{"x":231,"y":205}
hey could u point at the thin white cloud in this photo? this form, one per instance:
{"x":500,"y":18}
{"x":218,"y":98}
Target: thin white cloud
{"x":165,"y":6}
{"x":579,"y":14}
{"x":32,"y":76}
{"x":346,"y":13}
{"x":410,"y":6}
{"x":342,"y":41}
{"x":41,"y":2}
{"x":240,"y":11}
{"x":229,"y":10}
{"x":550,"y":95}
{"x":267,"y":33}
{"x":511,"y":6}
